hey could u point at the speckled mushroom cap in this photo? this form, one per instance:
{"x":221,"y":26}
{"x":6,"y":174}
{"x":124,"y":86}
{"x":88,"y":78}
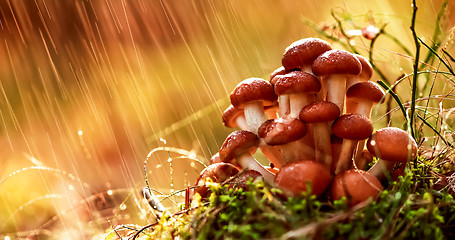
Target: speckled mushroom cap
{"x":280,"y":131}
{"x":296,"y":82}
{"x":294,"y":177}
{"x":355,"y":185}
{"x":321,"y":111}
{"x":280,"y":71}
{"x":336,"y":62}
{"x":365,"y":91}
{"x":392,"y":144}
{"x":352,"y":126}
{"x":238,"y":143}
{"x":367,"y":70}
{"x":303,"y":52}
{"x":229,"y":116}
{"x":253,"y":89}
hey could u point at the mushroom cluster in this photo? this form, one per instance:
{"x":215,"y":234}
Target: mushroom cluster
{"x":311,"y":120}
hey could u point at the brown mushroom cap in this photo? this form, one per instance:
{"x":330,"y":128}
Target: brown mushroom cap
{"x":321,"y":111}
{"x":280,"y":131}
{"x":392,"y":144}
{"x":352,"y":126}
{"x":365,"y":91}
{"x":253,"y":89}
{"x":238,"y":143}
{"x":336,"y":62}
{"x":303,"y":52}
{"x":217,"y":172}
{"x":367,"y":70}
{"x":294,"y":177}
{"x":296,"y":82}
{"x":241,"y":180}
{"x":230,"y":115}
{"x":355,"y":185}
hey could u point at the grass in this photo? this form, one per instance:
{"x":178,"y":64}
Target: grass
{"x":418,"y":204}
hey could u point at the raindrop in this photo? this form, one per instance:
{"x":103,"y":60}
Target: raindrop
{"x":109,"y":192}
{"x":122,"y":206}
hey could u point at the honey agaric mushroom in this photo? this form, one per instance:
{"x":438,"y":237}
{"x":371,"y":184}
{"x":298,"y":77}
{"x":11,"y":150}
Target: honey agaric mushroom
{"x":352,"y":128}
{"x":391,"y":145}
{"x":356,"y":185}
{"x":336,"y":65}
{"x":302,"y":53}
{"x":365,"y":95}
{"x":239,"y":146}
{"x":364,"y":75}
{"x":300,"y":87}
{"x":360,"y":99}
{"x":283,"y":100}
{"x":283,"y":132}
{"x":318,"y":114}
{"x":293,"y":178}
{"x":252,"y":95}
{"x":233,"y":117}
{"x":217,"y":172}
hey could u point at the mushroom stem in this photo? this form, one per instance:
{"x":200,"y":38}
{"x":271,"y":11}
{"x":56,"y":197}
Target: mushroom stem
{"x":364,"y":108}
{"x":380,"y":168}
{"x":241,"y":122}
{"x":284,"y":105}
{"x":345,"y":159}
{"x":297,"y":102}
{"x":322,"y":147}
{"x":248,"y":162}
{"x":272,"y":154}
{"x":254,"y":115}
{"x":336,"y":88}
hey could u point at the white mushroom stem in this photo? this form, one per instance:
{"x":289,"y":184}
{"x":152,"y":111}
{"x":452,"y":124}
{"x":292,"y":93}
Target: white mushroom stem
{"x":272,"y":154}
{"x":284,"y":105}
{"x":380,"y":168}
{"x":254,"y":115}
{"x":297,"y":102}
{"x":322,"y":146}
{"x":364,"y":109}
{"x":248,"y":162}
{"x":345,"y":159}
{"x":241,"y":122}
{"x":336,"y":89}
{"x":304,"y":146}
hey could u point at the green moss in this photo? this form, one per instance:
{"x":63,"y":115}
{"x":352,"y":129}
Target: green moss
{"x":408,"y":209}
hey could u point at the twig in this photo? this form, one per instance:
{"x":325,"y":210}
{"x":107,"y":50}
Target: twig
{"x":416,"y":68}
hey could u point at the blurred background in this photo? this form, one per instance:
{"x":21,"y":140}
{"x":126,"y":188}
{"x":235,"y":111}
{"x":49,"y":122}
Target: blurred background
{"x":89,"y":88}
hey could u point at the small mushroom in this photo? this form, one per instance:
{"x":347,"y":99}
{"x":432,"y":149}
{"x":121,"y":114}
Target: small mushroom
{"x":391,"y":145}
{"x":282,"y":133}
{"x":336,"y":65}
{"x":293,"y":178}
{"x":233,"y":118}
{"x":352,"y":128}
{"x":360,"y":99}
{"x":252,"y":95}
{"x":300,"y":88}
{"x":365,"y":95}
{"x":239,"y":146}
{"x":365,"y":74}
{"x":302,"y":53}
{"x":217,"y":172}
{"x":283,"y":100}
{"x":318,"y":114}
{"x":356,"y":185}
